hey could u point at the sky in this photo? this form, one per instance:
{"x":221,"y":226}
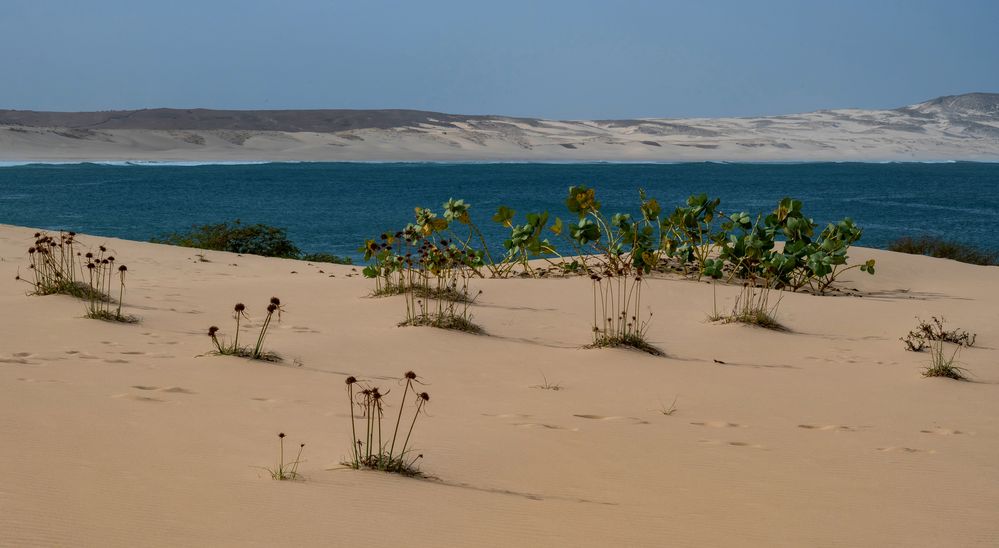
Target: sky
{"x":576,"y":59}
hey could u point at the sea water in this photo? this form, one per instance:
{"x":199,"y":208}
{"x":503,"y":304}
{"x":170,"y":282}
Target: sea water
{"x":334,"y":207}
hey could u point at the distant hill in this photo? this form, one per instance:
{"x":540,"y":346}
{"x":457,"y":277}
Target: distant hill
{"x":960,"y":127}
{"x":319,"y":121}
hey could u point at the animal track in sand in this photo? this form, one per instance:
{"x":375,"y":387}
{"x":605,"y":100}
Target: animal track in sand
{"x":603,"y":418}
{"x":828,"y":427}
{"x":720,"y":424}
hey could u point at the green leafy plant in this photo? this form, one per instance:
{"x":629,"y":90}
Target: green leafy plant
{"x":690,"y":237}
{"x":372,"y":451}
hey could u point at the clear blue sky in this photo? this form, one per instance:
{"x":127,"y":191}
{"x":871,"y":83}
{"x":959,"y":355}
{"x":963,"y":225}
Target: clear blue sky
{"x":558,"y":59}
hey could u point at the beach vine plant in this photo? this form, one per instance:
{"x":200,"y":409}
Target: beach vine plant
{"x":369,"y":449}
{"x":226,"y":347}
{"x":783,"y":249}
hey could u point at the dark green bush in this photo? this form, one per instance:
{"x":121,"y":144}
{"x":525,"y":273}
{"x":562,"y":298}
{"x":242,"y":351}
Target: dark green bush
{"x":326,"y":258}
{"x":257,"y":239}
{"x":943,"y":249}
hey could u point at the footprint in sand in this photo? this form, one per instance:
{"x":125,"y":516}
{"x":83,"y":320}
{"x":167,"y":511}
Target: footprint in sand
{"x":719,"y":424}
{"x":17,"y":360}
{"x":634,"y":420}
{"x":944,"y":432}
{"x":23,"y":379}
{"x":169,"y":389}
{"x":828,"y":427}
{"x":904,"y":450}
{"x":138,"y":397}
{"x":732,"y":443}
{"x":543,"y":425}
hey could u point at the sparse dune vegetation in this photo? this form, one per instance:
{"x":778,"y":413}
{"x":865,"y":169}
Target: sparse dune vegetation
{"x":557,"y":283}
{"x":431,"y":261}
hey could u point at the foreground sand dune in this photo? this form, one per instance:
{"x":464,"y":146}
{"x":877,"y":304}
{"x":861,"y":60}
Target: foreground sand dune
{"x":129,"y":435}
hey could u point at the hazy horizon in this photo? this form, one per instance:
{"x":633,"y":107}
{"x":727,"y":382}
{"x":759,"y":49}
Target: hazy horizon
{"x":564,"y":60}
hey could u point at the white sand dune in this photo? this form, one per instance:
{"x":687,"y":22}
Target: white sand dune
{"x":827,"y":435}
{"x":962,"y":127}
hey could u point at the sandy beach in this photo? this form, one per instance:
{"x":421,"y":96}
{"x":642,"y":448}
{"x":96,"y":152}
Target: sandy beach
{"x":824,"y":435}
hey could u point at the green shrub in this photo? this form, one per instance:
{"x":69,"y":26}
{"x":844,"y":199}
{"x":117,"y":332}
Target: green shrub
{"x":326,"y":258}
{"x":257,"y":239}
{"x":943,"y":249}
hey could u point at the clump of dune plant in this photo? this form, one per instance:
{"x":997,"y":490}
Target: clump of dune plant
{"x":431,"y":271}
{"x":274,"y":306}
{"x":920,"y":338}
{"x":286,"y":470}
{"x":625,"y":251}
{"x":373,"y":451}
{"x":754,"y":306}
{"x":100,"y":275}
{"x":55,"y":266}
{"x":943,"y":363}
{"x":233,"y":348}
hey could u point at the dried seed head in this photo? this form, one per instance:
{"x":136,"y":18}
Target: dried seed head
{"x":410,"y":375}
{"x":275,"y":301}
{"x":281,"y":435}
{"x":122,"y":268}
{"x":102,"y":248}
{"x":239,"y":307}
{"x":213,"y":330}
{"x":89,"y":255}
{"x":424,"y":396}
{"x":271,"y":307}
{"x":350,"y":380}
